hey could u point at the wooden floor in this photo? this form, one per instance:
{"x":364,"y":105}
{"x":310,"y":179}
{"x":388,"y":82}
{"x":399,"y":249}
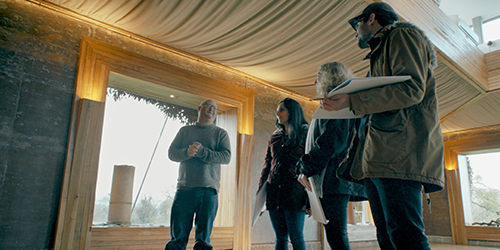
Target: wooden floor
{"x":439,"y":246}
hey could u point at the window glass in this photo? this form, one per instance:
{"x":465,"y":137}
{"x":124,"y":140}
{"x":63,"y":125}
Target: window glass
{"x":479,"y":175}
{"x":491,"y":30}
{"x":132,"y":129}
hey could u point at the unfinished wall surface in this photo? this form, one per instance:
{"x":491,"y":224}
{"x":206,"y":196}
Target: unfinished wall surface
{"x":38,"y":56}
{"x":39,"y":52}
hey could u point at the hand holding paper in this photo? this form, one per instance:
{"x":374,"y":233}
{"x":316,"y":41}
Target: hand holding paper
{"x":338,"y":108}
{"x":335,"y":103}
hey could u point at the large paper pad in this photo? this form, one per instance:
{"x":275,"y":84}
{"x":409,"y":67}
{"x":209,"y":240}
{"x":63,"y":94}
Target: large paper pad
{"x":260,"y":201}
{"x":358,"y":84}
{"x":316,"y":208}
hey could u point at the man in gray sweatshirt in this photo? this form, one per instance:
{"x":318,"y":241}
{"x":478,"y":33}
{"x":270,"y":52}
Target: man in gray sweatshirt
{"x":200,"y":149}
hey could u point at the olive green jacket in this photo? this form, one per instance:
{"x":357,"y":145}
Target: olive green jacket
{"x":402,"y":137}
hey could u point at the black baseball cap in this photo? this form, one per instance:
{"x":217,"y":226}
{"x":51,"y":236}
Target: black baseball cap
{"x":380,"y":9}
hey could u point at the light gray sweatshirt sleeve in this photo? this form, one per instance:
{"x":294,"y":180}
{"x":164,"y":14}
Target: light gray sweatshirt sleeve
{"x":177,"y":152}
{"x":220,"y":155}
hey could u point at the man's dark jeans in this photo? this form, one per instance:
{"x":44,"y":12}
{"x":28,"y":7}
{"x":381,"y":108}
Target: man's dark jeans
{"x":397,"y":211}
{"x":200,"y":201}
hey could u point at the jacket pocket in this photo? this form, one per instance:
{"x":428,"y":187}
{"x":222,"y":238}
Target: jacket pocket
{"x":386,"y":137}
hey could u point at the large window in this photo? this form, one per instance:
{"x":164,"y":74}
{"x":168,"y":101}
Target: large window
{"x":480,"y":188}
{"x":99,"y":64}
{"x":138,"y":133}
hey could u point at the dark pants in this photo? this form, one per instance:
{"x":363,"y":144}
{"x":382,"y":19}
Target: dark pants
{"x":201,"y":201}
{"x":397,"y":211}
{"x":288,"y":222}
{"x":335,"y":208}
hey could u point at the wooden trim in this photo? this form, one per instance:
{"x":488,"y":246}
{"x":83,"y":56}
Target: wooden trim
{"x":456,"y":208}
{"x":151,"y":238}
{"x":243,"y":226}
{"x":479,"y":140}
{"x":97,"y":61}
{"x":470,"y":133}
{"x":483,"y":233}
{"x":76,"y":208}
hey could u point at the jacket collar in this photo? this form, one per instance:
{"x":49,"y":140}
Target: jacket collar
{"x":381,"y":35}
{"x":377,"y":39}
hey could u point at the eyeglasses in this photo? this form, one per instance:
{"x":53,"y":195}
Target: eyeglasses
{"x":207,"y":105}
{"x":356,"y":21}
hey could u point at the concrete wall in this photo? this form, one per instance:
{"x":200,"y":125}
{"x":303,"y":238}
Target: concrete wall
{"x":39,"y":52}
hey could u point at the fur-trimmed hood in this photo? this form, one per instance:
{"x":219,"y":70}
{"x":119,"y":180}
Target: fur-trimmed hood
{"x":408,"y":25}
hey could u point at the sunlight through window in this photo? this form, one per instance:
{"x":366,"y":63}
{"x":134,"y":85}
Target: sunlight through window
{"x":480,"y":188}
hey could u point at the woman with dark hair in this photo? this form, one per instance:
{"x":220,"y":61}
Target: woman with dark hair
{"x":286,"y":197}
{"x":327,"y":145}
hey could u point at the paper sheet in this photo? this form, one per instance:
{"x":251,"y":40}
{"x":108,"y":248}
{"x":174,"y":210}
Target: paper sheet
{"x":260,"y":201}
{"x":316,"y":208}
{"x":355,"y":85}
{"x":341,"y":114}
{"x":358,"y":84}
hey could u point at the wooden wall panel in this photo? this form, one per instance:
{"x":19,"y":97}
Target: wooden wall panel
{"x":493,"y":68}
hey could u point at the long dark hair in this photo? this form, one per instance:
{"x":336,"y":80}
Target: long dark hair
{"x":296,"y":121}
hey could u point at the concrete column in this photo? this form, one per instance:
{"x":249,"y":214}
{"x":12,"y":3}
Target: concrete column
{"x":120,"y":204}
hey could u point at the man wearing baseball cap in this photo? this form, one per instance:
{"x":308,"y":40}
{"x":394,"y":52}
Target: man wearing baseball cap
{"x":400,"y":150}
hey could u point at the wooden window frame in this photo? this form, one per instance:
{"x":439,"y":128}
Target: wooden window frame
{"x":97,"y":61}
{"x":482,"y":140}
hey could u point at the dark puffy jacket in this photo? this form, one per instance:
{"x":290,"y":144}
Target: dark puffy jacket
{"x":328,"y":140}
{"x":283,"y":189}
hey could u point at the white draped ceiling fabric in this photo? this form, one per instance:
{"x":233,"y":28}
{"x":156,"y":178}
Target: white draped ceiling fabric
{"x":281,"y":42}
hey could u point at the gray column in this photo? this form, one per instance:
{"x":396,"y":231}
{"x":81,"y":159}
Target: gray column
{"x":120,"y":203}
{"x":477,"y":25}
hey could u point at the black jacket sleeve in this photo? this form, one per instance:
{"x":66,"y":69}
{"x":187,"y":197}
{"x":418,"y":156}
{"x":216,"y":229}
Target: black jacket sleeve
{"x":331,"y":143}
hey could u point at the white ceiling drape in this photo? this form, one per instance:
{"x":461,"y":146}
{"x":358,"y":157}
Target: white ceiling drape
{"x":282,"y":42}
